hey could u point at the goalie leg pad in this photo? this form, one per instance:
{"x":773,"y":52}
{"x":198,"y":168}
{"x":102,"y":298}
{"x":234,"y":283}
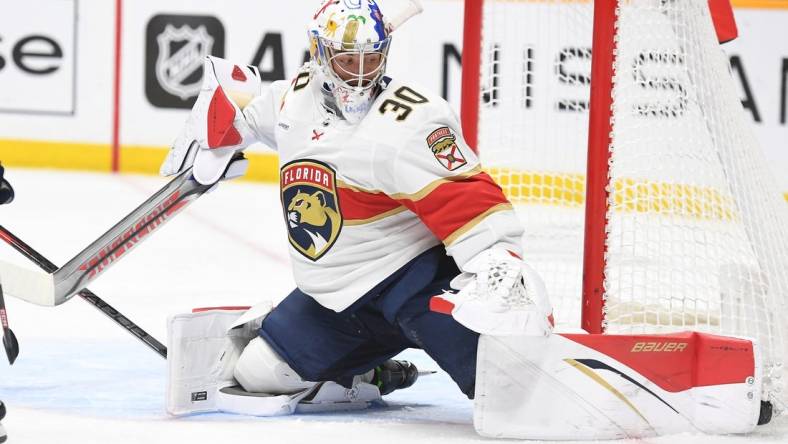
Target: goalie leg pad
{"x":236,"y":400}
{"x":321,"y":397}
{"x":260,"y":369}
{"x":616,"y":386}
{"x":195,"y":343}
{"x":203,"y":347}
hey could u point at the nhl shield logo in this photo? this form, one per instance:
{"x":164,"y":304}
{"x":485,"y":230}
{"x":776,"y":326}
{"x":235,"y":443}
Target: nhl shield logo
{"x":443,"y":143}
{"x":311,"y":207}
{"x":181,"y":54}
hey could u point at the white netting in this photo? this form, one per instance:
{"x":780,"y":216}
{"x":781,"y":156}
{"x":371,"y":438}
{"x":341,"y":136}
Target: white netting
{"x":698,"y":233}
{"x":536,"y":60}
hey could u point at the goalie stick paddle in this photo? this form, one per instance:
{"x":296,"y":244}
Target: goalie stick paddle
{"x":58,"y":285}
{"x":116,"y":317}
{"x":413,"y":8}
{"x":61,"y":285}
{"x":126,"y":235}
{"x":10,"y":343}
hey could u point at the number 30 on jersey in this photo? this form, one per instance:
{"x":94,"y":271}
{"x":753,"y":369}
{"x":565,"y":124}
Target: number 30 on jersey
{"x":402,"y":107}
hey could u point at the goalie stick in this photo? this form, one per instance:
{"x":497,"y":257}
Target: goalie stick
{"x":116,"y":317}
{"x":10,"y":343}
{"x":413,"y":9}
{"x":60,"y":286}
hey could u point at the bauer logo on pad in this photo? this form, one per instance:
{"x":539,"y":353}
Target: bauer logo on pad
{"x":443,"y":143}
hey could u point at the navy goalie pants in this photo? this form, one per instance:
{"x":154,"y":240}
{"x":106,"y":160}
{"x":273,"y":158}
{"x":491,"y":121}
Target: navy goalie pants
{"x":323,"y":345}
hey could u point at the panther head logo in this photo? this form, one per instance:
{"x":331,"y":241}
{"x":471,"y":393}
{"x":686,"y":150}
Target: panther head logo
{"x":310,"y":214}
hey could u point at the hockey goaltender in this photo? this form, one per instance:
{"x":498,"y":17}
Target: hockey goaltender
{"x":400,"y":240}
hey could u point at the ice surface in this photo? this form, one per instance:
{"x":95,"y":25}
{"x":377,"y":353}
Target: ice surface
{"x":80,"y":378}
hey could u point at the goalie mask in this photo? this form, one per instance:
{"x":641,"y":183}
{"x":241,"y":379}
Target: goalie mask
{"x":350,"y":43}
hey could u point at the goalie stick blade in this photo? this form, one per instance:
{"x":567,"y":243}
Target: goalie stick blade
{"x":126,"y":235}
{"x":11,"y":345}
{"x":28,"y":285}
{"x":86,"y":295}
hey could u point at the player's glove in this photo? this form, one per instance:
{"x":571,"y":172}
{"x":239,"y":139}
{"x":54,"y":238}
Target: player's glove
{"x":216,"y":130}
{"x":6,"y":192}
{"x":500,"y":295}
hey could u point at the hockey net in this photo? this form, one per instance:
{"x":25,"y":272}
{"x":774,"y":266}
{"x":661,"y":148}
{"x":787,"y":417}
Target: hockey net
{"x":692,"y":232}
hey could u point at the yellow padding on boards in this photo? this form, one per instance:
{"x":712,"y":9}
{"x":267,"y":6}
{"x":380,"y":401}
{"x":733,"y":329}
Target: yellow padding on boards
{"x":760,"y":4}
{"x":521,"y":187}
{"x":59,"y":155}
{"x":541,"y":188}
{"x":644,"y":196}
{"x":629,"y":195}
{"x":263,"y":167}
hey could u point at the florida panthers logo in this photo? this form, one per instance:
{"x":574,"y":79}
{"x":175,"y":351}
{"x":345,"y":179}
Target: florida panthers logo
{"x":311,"y":207}
{"x":443,"y":143}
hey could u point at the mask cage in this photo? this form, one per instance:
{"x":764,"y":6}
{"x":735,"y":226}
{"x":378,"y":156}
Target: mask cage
{"x":328,"y":50}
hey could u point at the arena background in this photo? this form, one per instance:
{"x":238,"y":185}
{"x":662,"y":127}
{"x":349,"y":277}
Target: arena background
{"x":63,"y":106}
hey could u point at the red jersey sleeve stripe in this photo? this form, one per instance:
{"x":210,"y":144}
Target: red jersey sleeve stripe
{"x":358,"y":205}
{"x":454,"y":207}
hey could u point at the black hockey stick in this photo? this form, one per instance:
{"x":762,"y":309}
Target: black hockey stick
{"x":58,"y":285}
{"x":10,"y":343}
{"x":85,"y":294}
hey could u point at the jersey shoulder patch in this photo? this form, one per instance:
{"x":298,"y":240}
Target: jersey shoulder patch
{"x":447,"y":148}
{"x":418,"y":127}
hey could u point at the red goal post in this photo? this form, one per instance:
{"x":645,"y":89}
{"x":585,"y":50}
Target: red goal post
{"x":647,"y":203}
{"x":599,"y":130}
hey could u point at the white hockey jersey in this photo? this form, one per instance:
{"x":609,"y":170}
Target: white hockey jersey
{"x":360,"y":201}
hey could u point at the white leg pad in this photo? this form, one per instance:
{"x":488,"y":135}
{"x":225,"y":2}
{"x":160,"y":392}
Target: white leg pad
{"x":196,"y":341}
{"x":270,"y":387}
{"x":261,"y":370}
{"x":208,"y":350}
{"x":321,"y":397}
{"x":236,"y":400}
{"x":588,"y":387}
{"x":202,"y":350}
